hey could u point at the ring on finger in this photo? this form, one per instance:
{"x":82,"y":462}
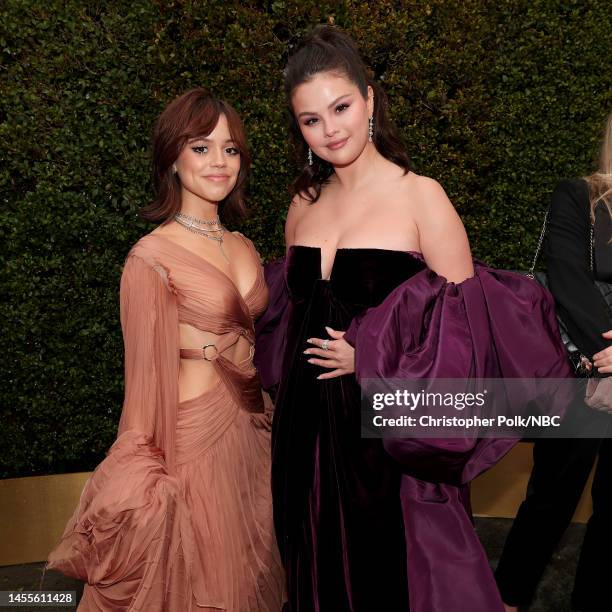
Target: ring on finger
{"x":325,"y":345}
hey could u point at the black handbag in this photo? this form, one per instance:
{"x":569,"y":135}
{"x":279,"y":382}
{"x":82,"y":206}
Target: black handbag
{"x":581,"y":364}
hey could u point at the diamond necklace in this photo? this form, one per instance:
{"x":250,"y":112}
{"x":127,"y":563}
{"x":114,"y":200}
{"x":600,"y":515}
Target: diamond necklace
{"x":194,"y":225}
{"x":185,"y":217}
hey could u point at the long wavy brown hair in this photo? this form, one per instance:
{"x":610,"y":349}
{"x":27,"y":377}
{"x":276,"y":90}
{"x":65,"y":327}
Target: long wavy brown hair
{"x":193,"y":115}
{"x":329,"y":49}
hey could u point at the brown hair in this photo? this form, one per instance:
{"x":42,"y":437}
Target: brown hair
{"x":193,"y":115}
{"x":329,"y":49}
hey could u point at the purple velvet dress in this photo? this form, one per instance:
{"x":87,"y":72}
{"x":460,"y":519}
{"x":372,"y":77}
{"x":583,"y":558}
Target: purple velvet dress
{"x":366,"y":525}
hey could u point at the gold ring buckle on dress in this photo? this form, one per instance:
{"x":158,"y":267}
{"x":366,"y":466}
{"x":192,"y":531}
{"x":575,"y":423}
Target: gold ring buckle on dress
{"x":215,"y":355}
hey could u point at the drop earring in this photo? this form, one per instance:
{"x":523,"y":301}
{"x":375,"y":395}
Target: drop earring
{"x":309,"y":156}
{"x":173,"y":169}
{"x":370,"y":129}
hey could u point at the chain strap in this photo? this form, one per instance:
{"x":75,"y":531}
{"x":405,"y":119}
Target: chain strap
{"x":531,"y":272}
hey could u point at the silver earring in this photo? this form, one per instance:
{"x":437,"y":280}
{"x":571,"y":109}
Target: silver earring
{"x":309,"y":156}
{"x":173,"y":169}
{"x":370,"y":128}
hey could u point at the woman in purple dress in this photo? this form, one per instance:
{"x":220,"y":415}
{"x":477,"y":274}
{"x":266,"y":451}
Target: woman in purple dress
{"x":379,"y":251}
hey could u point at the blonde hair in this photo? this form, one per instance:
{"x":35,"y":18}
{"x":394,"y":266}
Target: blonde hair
{"x":600,"y":182}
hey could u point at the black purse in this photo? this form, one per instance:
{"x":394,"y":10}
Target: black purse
{"x":580,"y":363}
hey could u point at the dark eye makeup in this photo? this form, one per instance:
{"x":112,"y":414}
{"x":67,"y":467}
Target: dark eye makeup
{"x":339,"y":109}
{"x":201,"y":149}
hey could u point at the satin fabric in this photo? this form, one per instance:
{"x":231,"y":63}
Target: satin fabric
{"x":496,"y":324}
{"x":404,"y":321}
{"x":178,"y":516}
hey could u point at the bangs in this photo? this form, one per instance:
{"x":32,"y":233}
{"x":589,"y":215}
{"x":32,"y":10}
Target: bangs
{"x":202,"y":120}
{"x":195,"y":114}
{"x":205,"y":118}
{"x":236,"y":129}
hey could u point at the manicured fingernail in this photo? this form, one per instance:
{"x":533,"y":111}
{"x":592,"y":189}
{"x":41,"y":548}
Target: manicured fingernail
{"x":306,"y":352}
{"x":310,"y":360}
{"x":328,"y":329}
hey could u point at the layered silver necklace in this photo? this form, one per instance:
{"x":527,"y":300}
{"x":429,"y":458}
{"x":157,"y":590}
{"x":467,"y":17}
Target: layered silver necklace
{"x":211,"y":229}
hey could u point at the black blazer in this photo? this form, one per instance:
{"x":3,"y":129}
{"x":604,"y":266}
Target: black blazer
{"x":579,"y":303}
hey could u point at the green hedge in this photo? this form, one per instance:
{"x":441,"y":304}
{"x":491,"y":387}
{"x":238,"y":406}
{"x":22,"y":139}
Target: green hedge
{"x":495,"y":100}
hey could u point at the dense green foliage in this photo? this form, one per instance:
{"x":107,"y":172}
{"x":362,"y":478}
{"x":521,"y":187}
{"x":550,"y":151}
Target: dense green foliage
{"x":495,"y":100}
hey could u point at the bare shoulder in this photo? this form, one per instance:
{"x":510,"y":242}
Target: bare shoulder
{"x":428,"y":200}
{"x":297,"y":208}
{"x":298,"y":205}
{"x":419,"y":197}
{"x":444,"y":242}
{"x":426,"y":191}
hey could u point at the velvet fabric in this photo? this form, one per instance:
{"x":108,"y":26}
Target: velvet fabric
{"x":363,"y":525}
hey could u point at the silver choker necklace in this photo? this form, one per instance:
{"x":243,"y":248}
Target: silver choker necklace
{"x":184,"y":217}
{"x":213,"y":230}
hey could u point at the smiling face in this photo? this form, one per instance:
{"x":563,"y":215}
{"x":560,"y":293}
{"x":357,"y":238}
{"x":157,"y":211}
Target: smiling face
{"x":208,"y":167}
{"x":333,"y":117}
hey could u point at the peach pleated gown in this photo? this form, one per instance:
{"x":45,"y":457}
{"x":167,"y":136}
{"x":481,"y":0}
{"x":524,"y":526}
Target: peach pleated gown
{"x":178,"y":516}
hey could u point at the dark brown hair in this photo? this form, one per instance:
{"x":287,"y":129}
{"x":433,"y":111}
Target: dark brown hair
{"x":193,"y":115}
{"x":329,"y":49}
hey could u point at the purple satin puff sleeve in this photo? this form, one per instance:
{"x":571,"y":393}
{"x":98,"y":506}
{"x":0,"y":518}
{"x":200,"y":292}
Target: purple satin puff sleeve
{"x":496,"y":324}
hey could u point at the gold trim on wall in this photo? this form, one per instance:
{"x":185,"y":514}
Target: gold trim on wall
{"x":33,"y":514}
{"x":34,"y":510}
{"x":500,"y":491}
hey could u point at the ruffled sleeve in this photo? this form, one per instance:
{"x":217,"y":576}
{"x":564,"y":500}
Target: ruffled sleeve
{"x":130,"y":537}
{"x":149,"y":321}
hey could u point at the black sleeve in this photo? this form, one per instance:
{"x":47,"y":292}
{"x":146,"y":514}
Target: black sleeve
{"x":571,"y":282}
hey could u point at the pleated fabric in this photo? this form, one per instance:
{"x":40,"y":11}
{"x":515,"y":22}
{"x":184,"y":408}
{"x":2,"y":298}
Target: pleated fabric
{"x":178,"y":515}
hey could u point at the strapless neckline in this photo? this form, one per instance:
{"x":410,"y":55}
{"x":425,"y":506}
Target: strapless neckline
{"x":340,"y":250}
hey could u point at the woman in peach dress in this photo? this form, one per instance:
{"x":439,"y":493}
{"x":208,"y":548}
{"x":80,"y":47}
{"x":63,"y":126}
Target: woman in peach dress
{"x":178,"y":516}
